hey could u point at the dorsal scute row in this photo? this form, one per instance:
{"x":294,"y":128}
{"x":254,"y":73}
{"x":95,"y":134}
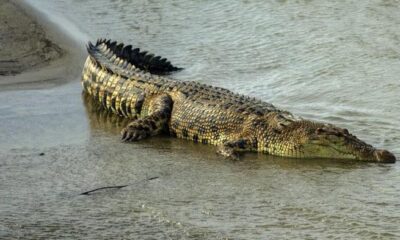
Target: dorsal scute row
{"x":224,"y":99}
{"x":134,"y":56}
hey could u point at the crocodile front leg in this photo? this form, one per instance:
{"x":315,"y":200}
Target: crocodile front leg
{"x":151,"y":125}
{"x":230,"y":149}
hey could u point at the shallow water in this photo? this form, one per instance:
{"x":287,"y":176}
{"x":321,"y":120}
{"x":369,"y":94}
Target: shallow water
{"x":333,"y":62}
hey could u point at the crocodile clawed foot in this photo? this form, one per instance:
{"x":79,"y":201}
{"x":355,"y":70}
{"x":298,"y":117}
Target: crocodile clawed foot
{"x":134,"y":132}
{"x":228,"y":152}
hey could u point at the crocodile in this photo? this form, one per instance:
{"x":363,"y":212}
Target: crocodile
{"x":137,"y":85}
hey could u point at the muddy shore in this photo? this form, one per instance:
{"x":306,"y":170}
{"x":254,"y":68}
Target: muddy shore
{"x":33,"y":52}
{"x":24,"y":44}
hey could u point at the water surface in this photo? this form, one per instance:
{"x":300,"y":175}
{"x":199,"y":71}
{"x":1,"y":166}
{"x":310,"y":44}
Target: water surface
{"x":333,"y":62}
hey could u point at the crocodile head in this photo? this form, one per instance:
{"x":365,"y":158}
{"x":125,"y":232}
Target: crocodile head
{"x":307,"y":139}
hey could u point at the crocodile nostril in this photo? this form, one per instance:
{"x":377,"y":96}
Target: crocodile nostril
{"x":384,"y":156}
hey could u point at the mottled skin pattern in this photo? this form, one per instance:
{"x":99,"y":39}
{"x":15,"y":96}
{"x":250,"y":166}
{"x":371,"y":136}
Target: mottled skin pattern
{"x":129,"y":83}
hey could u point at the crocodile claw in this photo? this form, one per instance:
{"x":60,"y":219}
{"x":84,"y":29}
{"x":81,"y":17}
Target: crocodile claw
{"x":131,"y":133}
{"x":124,"y":135}
{"x":228,"y":152}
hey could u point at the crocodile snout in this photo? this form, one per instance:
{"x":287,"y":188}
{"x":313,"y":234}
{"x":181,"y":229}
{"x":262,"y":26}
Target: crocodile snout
{"x":384,"y":156}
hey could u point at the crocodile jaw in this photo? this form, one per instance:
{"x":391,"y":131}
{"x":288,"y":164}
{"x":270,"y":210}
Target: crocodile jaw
{"x":348,"y":152}
{"x":307,"y":139}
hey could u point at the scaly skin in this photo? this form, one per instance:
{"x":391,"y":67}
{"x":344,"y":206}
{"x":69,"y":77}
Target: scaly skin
{"x":129,"y":83}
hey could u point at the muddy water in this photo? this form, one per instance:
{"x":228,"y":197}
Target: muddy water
{"x":334,"y":62}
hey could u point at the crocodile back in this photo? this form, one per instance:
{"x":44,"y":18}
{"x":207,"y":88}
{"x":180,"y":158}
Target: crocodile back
{"x":123,"y":79}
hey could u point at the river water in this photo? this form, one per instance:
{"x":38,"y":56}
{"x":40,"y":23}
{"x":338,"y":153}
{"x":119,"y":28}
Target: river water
{"x":337,"y":62}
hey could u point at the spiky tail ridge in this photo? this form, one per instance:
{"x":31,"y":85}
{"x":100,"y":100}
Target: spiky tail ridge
{"x":123,"y":57}
{"x":109,"y":68}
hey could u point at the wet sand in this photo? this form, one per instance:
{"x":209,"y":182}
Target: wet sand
{"x":33,"y":52}
{"x":25,"y":45}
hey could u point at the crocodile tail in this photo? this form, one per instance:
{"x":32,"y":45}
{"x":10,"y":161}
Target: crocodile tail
{"x":120,"y":57}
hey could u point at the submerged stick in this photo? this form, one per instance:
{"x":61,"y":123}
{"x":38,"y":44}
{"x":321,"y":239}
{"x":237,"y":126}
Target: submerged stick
{"x":88,"y":192}
{"x":117,"y":187}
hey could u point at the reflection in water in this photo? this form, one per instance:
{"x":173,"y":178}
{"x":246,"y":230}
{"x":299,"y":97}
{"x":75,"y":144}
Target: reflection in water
{"x":101,"y":119}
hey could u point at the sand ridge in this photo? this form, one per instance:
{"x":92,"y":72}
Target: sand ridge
{"x":23,"y":42}
{"x":35,"y":52}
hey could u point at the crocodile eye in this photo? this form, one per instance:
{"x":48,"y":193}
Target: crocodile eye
{"x":345,"y":131}
{"x":319,"y":130}
{"x":338,"y":134}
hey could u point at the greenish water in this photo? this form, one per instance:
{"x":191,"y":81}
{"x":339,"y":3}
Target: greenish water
{"x":333,"y":62}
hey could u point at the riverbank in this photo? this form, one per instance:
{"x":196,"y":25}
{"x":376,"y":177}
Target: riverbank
{"x":33,"y":52}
